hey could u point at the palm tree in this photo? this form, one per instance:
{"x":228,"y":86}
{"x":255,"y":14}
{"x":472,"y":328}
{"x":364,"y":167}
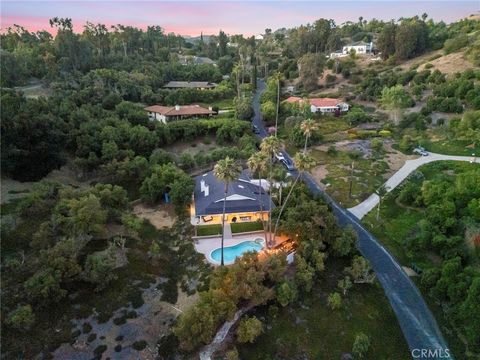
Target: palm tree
{"x":381,"y":192}
{"x":353,"y":155}
{"x":308,"y":127}
{"x":270,"y":145}
{"x":280,"y":176}
{"x":277,"y":77}
{"x":226,"y":170}
{"x":303,"y":162}
{"x":258,"y":163}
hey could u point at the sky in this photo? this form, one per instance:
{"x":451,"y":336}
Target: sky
{"x":233,"y":17}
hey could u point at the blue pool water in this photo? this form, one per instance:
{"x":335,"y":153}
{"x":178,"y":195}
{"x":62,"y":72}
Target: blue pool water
{"x":232,"y":252}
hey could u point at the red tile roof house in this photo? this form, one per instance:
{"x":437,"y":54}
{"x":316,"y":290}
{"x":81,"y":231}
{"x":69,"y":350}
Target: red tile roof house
{"x":323,"y":105}
{"x":177,"y":112}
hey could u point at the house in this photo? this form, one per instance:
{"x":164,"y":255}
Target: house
{"x":177,"y":112}
{"x":360,"y":47}
{"x":195,"y":60}
{"x":201,"y":85}
{"x":259,"y":37}
{"x":246,"y":201}
{"x":322,"y":105}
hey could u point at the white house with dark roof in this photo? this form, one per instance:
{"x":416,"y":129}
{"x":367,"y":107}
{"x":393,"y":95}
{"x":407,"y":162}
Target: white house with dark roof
{"x":246,"y":201}
{"x":360,"y":47}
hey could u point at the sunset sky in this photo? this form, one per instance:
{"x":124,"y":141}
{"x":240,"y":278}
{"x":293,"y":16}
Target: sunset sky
{"x":246,"y":17}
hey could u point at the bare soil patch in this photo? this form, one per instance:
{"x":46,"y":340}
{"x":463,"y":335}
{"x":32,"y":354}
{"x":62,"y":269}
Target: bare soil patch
{"x":395,"y":159}
{"x":200,"y":144}
{"x":319,"y":173}
{"x":160,"y":216}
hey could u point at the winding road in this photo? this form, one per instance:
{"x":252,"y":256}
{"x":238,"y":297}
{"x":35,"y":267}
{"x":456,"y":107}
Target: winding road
{"x":396,"y":179}
{"x":416,"y":321}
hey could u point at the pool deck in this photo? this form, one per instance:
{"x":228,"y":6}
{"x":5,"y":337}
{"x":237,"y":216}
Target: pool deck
{"x":205,"y":246}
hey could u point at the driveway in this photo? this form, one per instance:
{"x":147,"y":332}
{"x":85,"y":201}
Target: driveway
{"x":416,"y":321}
{"x":396,"y":179}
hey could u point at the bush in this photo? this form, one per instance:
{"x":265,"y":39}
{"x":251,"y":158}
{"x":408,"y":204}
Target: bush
{"x":455,"y":44}
{"x":428,"y":66}
{"x":249,"y":329}
{"x":361,"y":346}
{"x":334,"y":301}
{"x":385,"y":133}
{"x":22,"y":318}
{"x":99,"y":350}
{"x":139,"y":345}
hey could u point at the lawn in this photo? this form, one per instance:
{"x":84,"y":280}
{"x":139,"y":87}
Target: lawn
{"x":246,"y":227}
{"x":452,"y":147}
{"x":223,"y":104}
{"x":207,"y":230}
{"x":311,"y":330}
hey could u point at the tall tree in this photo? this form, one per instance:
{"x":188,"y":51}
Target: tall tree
{"x":226,"y":170}
{"x":308,"y":127}
{"x":381,"y":192}
{"x":395,"y":99}
{"x":270,"y":145}
{"x":386,"y":40}
{"x":303,"y":163}
{"x":258,"y":163}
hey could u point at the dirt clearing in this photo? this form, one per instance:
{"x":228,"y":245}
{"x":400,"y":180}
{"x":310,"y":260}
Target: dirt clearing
{"x":160,"y":216}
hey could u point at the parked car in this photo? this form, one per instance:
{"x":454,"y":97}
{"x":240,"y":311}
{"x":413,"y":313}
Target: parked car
{"x":279,"y":156}
{"x":255,"y":129}
{"x":420,"y":150}
{"x":288,"y":164}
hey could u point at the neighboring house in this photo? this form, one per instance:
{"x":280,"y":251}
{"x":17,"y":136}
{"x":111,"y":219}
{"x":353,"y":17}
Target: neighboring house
{"x":360,"y":47}
{"x":242,"y":205}
{"x":194,"y":60}
{"x":177,"y":112}
{"x":259,"y":37}
{"x":202,"y":85}
{"x":322,"y":105}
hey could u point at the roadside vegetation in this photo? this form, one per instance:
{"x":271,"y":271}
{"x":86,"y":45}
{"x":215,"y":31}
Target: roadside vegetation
{"x":431,"y":222}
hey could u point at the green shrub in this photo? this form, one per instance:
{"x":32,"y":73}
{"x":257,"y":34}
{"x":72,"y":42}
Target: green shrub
{"x":22,"y":318}
{"x":139,"y":345}
{"x":249,"y":329}
{"x":99,"y":350}
{"x":385,"y":133}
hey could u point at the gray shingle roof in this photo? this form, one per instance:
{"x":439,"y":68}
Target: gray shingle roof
{"x":189,"y":84}
{"x":242,"y":196}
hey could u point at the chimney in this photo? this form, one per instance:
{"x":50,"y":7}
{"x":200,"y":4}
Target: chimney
{"x":177,"y":107}
{"x":210,"y":108}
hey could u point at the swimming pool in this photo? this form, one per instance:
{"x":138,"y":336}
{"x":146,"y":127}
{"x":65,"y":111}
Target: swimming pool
{"x":230,"y":253}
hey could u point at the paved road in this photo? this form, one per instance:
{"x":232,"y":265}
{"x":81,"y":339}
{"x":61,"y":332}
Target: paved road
{"x":416,"y":321}
{"x":396,"y":179}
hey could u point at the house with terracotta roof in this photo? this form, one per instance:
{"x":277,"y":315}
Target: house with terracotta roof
{"x":322,"y":105}
{"x":177,"y":112}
